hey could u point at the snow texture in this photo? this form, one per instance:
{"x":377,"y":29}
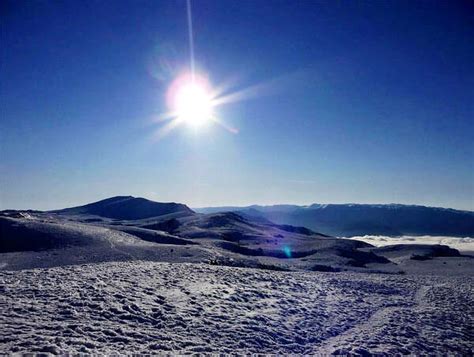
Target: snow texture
{"x":149,"y":307}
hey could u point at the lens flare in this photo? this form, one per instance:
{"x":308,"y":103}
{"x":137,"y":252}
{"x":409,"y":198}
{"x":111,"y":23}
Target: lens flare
{"x":287,"y":251}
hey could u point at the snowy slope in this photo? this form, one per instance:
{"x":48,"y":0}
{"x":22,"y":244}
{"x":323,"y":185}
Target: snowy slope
{"x":149,"y":308}
{"x":47,"y":240}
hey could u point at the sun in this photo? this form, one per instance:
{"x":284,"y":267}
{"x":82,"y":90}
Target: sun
{"x":192,"y":102}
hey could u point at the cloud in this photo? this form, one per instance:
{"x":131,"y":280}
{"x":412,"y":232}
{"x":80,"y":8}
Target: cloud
{"x":462,"y":244}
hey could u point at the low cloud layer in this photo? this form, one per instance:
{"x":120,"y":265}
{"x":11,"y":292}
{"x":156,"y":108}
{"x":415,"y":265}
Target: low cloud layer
{"x":462,"y":244}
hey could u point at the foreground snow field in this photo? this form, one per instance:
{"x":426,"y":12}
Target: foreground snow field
{"x":149,"y":307}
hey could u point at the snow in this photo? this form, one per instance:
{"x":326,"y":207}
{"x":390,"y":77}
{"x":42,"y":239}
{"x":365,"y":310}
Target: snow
{"x":47,"y":240}
{"x":186,"y":283}
{"x":180,"y":308}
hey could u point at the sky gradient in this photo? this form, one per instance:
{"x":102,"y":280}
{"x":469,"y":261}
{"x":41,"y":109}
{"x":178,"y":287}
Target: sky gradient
{"x":366,"y":102}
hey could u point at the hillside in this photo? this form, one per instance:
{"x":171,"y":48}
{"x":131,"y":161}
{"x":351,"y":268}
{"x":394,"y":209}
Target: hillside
{"x":169,"y":232}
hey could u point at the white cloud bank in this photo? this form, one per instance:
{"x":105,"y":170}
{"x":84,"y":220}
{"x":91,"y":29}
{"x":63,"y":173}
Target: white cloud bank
{"x":462,"y":244}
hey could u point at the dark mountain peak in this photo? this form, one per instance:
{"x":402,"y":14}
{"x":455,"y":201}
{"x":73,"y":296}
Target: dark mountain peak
{"x":111,"y":200}
{"x":128,"y":208}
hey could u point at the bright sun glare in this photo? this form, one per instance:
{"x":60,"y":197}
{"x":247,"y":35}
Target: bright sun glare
{"x":192,"y":103}
{"x":190,"y":98}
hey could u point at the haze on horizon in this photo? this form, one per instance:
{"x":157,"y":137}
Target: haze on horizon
{"x":364,"y":102}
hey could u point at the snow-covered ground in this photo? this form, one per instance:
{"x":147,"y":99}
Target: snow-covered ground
{"x":186,"y":283}
{"x":150,"y":307}
{"x":461,"y":244}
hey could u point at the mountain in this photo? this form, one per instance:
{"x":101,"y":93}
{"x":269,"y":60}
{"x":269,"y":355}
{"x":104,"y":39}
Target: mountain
{"x":128,"y":228}
{"x":347,"y":220}
{"x":127,"y":208}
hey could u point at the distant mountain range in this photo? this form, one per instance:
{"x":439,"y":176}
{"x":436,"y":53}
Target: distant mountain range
{"x":340,"y":220}
{"x":348,"y":220}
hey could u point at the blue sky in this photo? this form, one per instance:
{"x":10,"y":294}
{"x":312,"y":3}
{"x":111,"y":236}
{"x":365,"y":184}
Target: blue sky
{"x":368,"y":102}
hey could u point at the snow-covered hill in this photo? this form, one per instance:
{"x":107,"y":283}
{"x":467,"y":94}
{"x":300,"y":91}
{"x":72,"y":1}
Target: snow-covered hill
{"x":46,"y":240}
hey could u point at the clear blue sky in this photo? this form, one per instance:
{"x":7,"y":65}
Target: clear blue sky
{"x":359,"y":101}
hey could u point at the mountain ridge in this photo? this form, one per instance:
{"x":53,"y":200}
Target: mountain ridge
{"x":324,"y":205}
{"x":341,"y":220}
{"x":346,"y":220}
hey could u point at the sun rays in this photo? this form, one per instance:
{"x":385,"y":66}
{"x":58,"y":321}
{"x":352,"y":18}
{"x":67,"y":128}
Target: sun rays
{"x":190,"y":98}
